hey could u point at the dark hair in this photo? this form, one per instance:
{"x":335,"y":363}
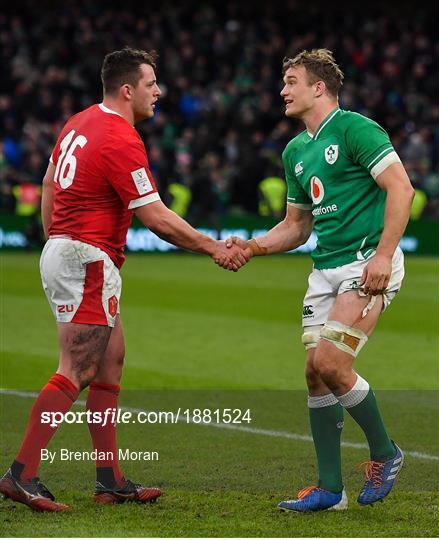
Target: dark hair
{"x":320,"y":66}
{"x":123,"y":67}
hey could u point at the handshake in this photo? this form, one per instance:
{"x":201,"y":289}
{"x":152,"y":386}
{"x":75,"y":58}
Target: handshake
{"x":235,"y":252}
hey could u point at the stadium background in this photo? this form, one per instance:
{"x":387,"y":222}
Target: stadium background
{"x":219,"y":127}
{"x":198,"y":336}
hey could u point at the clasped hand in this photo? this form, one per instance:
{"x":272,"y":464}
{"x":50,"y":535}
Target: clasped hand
{"x":232,"y":254}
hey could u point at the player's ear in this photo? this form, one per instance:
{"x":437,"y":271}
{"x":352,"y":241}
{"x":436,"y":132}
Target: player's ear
{"x":320,"y":88}
{"x":126,"y":91}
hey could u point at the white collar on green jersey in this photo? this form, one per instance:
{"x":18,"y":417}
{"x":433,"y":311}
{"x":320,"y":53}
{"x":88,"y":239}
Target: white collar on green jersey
{"x":324,"y":123}
{"x":107,"y":110}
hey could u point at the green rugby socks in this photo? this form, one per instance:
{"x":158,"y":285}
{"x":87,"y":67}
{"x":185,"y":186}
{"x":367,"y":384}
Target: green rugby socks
{"x":326,"y":419}
{"x":361,"y":404}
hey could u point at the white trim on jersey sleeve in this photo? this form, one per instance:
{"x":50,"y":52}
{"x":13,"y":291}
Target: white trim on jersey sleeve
{"x":51,"y":159}
{"x":382,"y":165}
{"x":376,"y":158}
{"x":141,"y":201}
{"x":300,"y":206}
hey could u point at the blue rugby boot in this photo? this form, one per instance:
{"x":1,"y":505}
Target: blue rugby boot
{"x":313,"y":499}
{"x":380,"y":477}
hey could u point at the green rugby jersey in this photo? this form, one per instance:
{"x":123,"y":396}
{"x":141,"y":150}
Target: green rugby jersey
{"x":332,"y":174}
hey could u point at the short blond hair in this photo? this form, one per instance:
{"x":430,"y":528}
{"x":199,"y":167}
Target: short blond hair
{"x":320,"y":66}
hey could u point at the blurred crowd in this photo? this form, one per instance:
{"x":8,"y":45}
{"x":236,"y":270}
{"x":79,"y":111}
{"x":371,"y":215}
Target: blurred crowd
{"x":219,"y":129}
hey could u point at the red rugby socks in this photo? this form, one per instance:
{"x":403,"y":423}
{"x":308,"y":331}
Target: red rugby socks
{"x":103,"y":397}
{"x":57,"y":396}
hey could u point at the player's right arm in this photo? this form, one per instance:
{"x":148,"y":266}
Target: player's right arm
{"x":157,"y":217}
{"x":47,"y":198}
{"x":292,"y":232}
{"x":126,"y":167}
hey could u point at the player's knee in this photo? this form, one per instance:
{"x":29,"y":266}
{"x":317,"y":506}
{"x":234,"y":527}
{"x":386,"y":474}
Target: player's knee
{"x":120,"y":358}
{"x":115,"y":359}
{"x":326,"y":365}
{"x":329,"y":374}
{"x":311,"y":374}
{"x":118,"y":365}
{"x":110,"y":371}
{"x":85,"y":377}
{"x":85,"y":369}
{"x":114,"y":362}
{"x":312,"y":377}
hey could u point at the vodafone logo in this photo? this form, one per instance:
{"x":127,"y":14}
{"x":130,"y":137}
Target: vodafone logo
{"x":317,"y":190}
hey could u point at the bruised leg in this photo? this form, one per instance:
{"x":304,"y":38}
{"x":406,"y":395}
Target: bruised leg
{"x":82,"y":348}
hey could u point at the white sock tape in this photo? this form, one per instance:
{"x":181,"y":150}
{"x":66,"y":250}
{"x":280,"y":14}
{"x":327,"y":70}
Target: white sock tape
{"x":317,"y":402}
{"x":356,"y":394}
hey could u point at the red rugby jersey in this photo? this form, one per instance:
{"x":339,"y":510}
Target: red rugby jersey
{"x":101,"y":176}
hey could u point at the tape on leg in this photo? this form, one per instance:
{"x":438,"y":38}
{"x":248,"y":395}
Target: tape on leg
{"x":369,"y":306}
{"x":347,"y":339}
{"x":311,"y":336}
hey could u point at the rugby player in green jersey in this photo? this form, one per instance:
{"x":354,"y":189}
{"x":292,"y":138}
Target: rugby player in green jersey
{"x":346,"y":182}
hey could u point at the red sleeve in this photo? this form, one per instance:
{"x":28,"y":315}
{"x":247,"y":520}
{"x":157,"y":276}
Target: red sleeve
{"x":127,"y":169}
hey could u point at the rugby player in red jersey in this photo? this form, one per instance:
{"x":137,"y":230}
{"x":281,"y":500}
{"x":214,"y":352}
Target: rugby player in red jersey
{"x":97,"y":179}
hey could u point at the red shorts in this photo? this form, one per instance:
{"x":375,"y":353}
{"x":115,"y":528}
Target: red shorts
{"x":81,"y":282}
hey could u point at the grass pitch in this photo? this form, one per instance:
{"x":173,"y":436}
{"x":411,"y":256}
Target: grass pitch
{"x":199,"y":337}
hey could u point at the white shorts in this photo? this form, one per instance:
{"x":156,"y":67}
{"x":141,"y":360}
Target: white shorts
{"x":325,"y":285}
{"x":81,"y":282}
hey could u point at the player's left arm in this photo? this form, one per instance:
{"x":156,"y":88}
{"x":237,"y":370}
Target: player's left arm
{"x":47,"y":198}
{"x":395,"y":182}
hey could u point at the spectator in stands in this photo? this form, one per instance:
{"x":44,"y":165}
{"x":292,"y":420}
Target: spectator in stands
{"x":219,"y":70}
